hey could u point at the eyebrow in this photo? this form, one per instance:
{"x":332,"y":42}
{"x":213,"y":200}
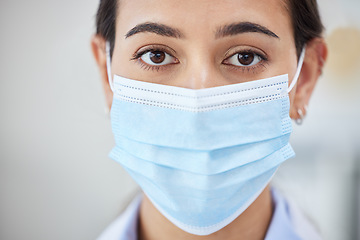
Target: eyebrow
{"x":243,"y":27}
{"x":157,"y":28}
{"x":223,"y":31}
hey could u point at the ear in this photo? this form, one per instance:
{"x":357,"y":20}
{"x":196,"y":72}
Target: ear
{"x":315,"y":57}
{"x":98,"y":44}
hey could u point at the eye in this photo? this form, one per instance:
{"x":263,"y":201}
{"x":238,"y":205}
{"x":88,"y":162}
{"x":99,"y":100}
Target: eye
{"x":244,"y":59}
{"x":158,"y":58}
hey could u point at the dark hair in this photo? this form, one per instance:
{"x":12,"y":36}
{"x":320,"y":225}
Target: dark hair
{"x":304,"y":14}
{"x":306,"y":21}
{"x":105,"y":21}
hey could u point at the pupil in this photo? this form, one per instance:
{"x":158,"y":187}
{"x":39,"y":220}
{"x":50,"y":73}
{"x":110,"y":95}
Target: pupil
{"x":246,"y":58}
{"x":157,"y":56}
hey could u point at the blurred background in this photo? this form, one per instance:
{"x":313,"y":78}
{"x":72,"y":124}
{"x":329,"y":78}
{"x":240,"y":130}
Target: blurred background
{"x":56,"y":181}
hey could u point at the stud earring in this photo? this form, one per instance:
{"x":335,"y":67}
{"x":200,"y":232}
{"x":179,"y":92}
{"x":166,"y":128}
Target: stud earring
{"x":300,"y":120}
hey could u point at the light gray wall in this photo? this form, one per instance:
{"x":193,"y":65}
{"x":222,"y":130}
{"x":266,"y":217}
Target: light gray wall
{"x":56,"y":181}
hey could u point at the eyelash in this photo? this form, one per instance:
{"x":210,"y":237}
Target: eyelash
{"x":262,"y":64}
{"x":252,"y":69}
{"x":137,"y":57}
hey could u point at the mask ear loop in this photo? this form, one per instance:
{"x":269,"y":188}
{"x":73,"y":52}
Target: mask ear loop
{"x":298,"y":70}
{"x":108,"y":65}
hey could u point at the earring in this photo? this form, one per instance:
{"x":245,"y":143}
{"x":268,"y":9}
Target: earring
{"x":300,"y":120}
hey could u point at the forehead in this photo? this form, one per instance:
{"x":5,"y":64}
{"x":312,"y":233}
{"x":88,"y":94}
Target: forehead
{"x":204,"y":16}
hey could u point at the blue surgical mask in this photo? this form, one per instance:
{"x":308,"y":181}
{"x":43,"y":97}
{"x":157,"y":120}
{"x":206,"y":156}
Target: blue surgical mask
{"x":202,"y":156}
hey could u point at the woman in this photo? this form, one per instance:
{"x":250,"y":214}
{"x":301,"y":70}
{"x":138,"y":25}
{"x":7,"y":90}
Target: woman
{"x":201,"y":95}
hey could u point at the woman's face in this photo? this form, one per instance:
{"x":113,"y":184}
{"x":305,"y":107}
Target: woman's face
{"x":203,"y":43}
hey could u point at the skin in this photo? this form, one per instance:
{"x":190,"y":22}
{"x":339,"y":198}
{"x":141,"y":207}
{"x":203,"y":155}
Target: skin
{"x":201,"y":59}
